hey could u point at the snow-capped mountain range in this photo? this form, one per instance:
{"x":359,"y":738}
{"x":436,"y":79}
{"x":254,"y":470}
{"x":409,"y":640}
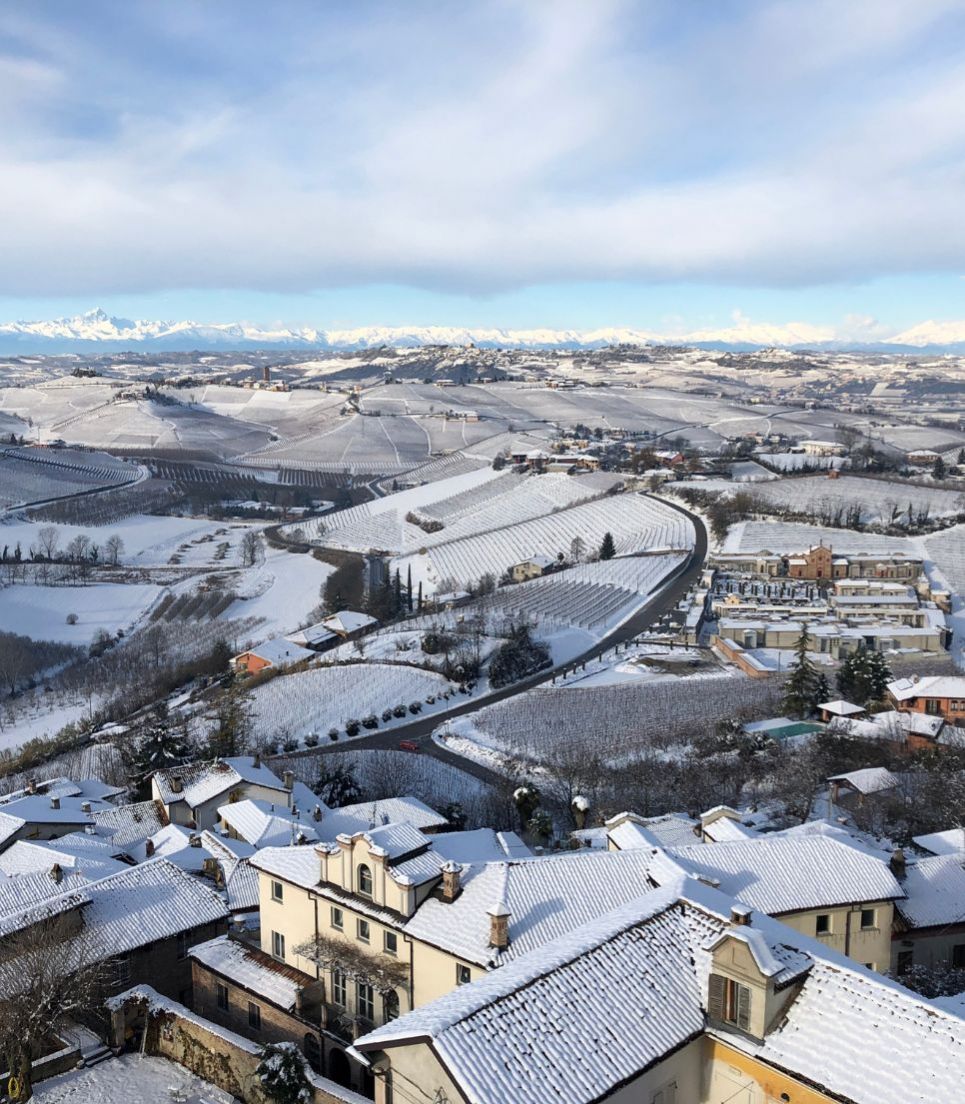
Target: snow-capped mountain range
{"x":97,"y":330}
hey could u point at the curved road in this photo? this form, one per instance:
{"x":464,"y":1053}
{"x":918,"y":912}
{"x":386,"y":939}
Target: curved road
{"x":420,"y":731}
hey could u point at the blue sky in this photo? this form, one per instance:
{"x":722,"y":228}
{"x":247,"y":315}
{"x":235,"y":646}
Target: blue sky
{"x":663,"y":165}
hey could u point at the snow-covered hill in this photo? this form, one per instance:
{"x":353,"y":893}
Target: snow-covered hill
{"x":97,"y":330}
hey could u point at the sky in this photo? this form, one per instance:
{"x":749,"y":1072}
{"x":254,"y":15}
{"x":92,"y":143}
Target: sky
{"x":657,"y":164}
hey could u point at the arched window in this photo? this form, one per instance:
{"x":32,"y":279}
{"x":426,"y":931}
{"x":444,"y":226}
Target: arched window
{"x":365,"y":880}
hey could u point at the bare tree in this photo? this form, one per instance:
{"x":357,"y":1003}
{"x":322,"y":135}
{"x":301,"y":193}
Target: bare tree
{"x":49,"y":974}
{"x":249,"y":548}
{"x":47,"y":540}
{"x":113,"y":549}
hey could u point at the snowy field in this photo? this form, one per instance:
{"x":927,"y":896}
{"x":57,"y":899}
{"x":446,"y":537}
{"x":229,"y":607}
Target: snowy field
{"x":787,"y":536}
{"x":136,"y":1078}
{"x":41,"y":612}
{"x":292,"y":706}
{"x":881,"y":502}
{"x":36,"y":475}
{"x":282,"y":589}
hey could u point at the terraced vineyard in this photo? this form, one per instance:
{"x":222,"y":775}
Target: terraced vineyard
{"x":35,"y":475}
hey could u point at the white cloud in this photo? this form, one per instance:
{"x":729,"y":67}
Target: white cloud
{"x":506,"y":144}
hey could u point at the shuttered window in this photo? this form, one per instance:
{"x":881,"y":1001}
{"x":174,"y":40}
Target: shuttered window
{"x":729,"y":1002}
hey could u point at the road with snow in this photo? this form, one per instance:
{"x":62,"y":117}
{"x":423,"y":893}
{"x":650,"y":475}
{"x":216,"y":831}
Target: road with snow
{"x":419,"y":732}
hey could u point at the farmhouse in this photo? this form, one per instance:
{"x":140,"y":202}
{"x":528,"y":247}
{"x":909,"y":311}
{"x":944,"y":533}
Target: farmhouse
{"x":821,"y":448}
{"x":191,"y":794}
{"x":938,"y":696}
{"x":348,"y":624}
{"x":277,"y":653}
{"x":531,"y":568}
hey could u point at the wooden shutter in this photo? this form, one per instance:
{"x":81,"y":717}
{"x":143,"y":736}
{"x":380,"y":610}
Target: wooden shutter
{"x":743,"y":1007}
{"x":715,"y":997}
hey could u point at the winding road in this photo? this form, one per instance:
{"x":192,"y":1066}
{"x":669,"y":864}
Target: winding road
{"x":419,"y":732}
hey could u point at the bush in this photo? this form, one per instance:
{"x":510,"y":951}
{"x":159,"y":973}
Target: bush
{"x":333,"y":734}
{"x":415,"y":707}
{"x":291,"y":744}
{"x":71,"y":618}
{"x":371,"y":721}
{"x":520,"y":656}
{"x":399,"y":711}
{"x":352,"y":728}
{"x":311,"y":740}
{"x":386,"y":714}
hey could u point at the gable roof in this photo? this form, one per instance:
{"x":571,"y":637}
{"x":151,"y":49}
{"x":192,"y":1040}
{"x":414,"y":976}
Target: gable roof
{"x":788,"y":874}
{"x":130,"y":824}
{"x":279,"y":652}
{"x":931,"y":686}
{"x":934,"y":892}
{"x":250,"y":968}
{"x":261,"y":824}
{"x":202,"y":782}
{"x":867,"y":780}
{"x":949,"y":842}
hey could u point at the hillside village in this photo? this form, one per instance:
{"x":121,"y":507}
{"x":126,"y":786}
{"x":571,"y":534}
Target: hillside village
{"x":494,"y":725}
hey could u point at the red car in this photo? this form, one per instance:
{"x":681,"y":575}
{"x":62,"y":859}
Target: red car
{"x":408,"y":745}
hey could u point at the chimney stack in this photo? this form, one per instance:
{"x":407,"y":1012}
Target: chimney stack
{"x":740,"y":915}
{"x":85,"y":807}
{"x":31,"y":785}
{"x":451,"y":873}
{"x":177,"y":786}
{"x":289,"y":779}
{"x":317,"y":813}
{"x":256,"y":759}
{"x":56,"y":873}
{"x":897,"y":862}
{"x":55,"y":803}
{"x":194,"y":840}
{"x":499,"y":916}
{"x":148,"y":848}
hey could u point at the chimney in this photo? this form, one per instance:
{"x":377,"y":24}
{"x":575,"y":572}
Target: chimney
{"x":450,"y":880}
{"x":31,"y":785}
{"x":194,"y":840}
{"x":317,"y":813}
{"x":499,"y":916}
{"x":85,"y":807}
{"x":289,"y":779}
{"x":55,"y":803}
{"x":740,"y":915}
{"x":177,"y":786}
{"x":56,"y":873}
{"x":148,"y":848}
{"x":897,"y":862}
{"x":266,"y":373}
{"x":256,"y":759}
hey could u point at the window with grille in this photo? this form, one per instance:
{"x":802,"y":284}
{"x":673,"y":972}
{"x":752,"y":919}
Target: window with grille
{"x":365,"y":880}
{"x":729,"y":1002}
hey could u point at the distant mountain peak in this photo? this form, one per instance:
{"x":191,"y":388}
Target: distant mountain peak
{"x":95,"y":330}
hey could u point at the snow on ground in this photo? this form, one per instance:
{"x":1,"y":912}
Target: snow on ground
{"x":327,"y":697}
{"x":41,"y":612}
{"x":789,"y":536}
{"x":283,"y":589}
{"x":134,"y":1077}
{"x":639,"y":662}
{"x":148,"y":541}
{"x":38,"y":718}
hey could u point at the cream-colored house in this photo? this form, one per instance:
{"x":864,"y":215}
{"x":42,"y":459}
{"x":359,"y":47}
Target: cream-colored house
{"x":683,"y":996}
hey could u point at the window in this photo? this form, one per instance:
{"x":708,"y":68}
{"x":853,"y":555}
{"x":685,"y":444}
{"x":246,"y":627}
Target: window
{"x":366,"y":1001}
{"x":222,"y":994}
{"x":729,"y":1002}
{"x":365,"y":881}
{"x":182,"y":944}
{"x":277,"y":891}
{"x":463,"y":974}
{"x":278,"y":945}
{"x":958,"y":956}
{"x":363,"y":931}
{"x":867,"y":919}
{"x":338,"y":988}
{"x":822,"y":923}
{"x":254,"y":1016}
{"x":338,"y":919}
{"x":933,"y":706}
{"x":390,"y":1004}
{"x":905,"y":960}
{"x":391,"y":943}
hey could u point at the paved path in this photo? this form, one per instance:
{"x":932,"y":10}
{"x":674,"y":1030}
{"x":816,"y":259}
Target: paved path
{"x":420,"y":731}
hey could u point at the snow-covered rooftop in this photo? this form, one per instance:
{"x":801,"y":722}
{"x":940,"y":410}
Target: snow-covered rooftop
{"x":202,"y":782}
{"x":931,"y":686}
{"x":131,"y":824}
{"x":867,"y":780}
{"x":934,"y":892}
{"x":841,"y":708}
{"x":263,"y":824}
{"x":789,"y":874}
{"x":949,"y":842}
{"x":92,"y":856}
{"x":279,"y":652}
{"x":250,"y":968}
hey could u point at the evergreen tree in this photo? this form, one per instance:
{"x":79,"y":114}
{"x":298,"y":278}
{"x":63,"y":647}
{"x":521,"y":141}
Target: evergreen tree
{"x":607,"y":548}
{"x":863,"y":677}
{"x":801,"y":691}
{"x":233,"y":733}
{"x":938,"y":469}
{"x":397,"y":594}
{"x":162,"y":744}
{"x":338,"y":787}
{"x":281,"y":1073}
{"x":408,"y":589}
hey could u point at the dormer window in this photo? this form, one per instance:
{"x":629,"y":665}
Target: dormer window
{"x":729,"y":1002}
{"x":365,"y":881}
